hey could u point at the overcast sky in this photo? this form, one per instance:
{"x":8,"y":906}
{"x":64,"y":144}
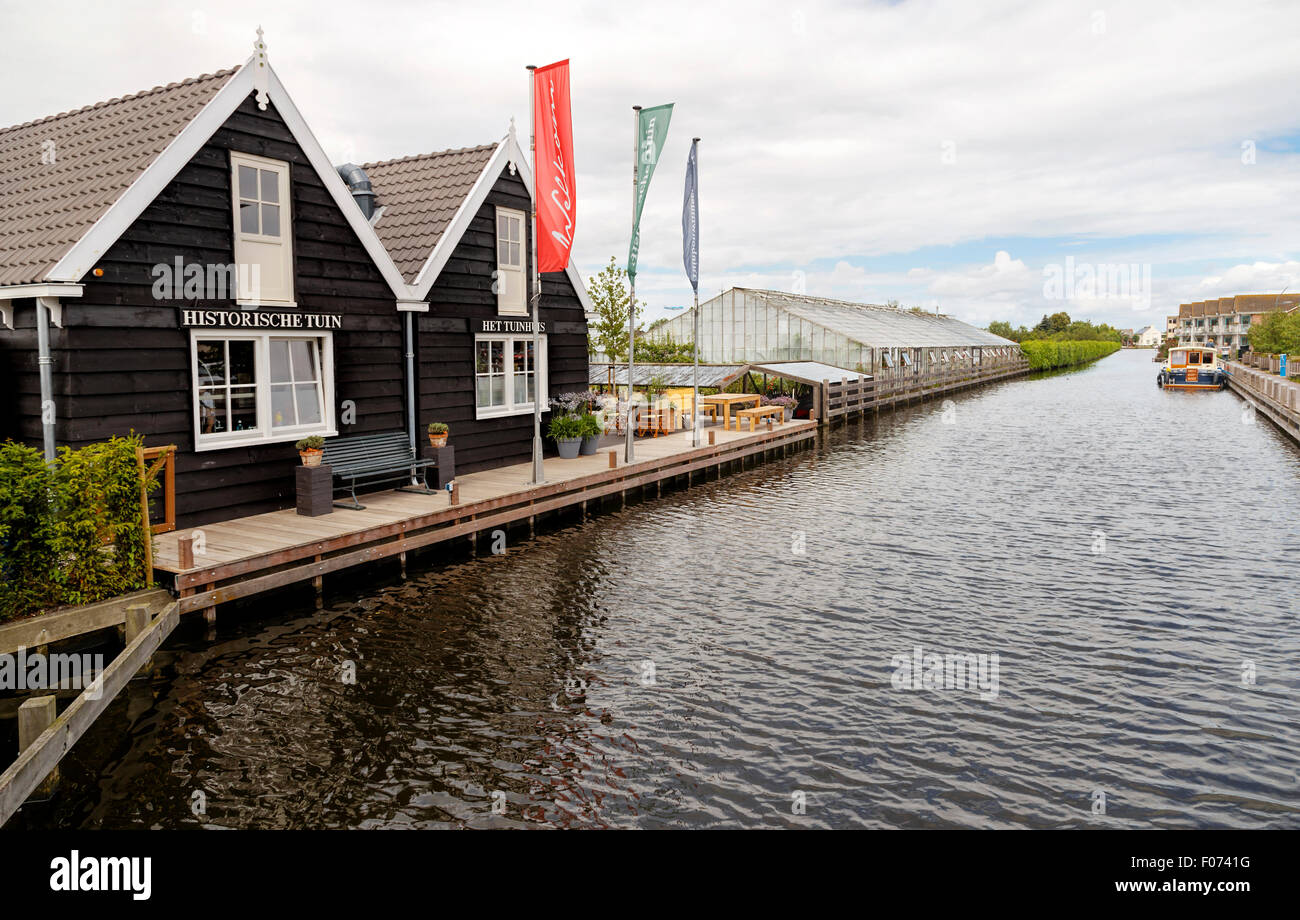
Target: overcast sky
{"x":942,"y":154}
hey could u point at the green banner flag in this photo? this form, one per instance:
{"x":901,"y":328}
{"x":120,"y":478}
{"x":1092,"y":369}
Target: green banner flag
{"x":652,"y":131}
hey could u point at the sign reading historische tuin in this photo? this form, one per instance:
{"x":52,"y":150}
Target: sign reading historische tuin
{"x":257,"y":319}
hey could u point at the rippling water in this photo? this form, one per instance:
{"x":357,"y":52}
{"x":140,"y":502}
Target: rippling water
{"x":709,"y":657}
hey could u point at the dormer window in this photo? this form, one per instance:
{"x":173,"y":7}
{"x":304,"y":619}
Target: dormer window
{"x":263,"y":230}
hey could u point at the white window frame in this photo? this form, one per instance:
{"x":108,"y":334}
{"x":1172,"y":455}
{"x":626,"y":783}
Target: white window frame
{"x":265,"y":433}
{"x":284,"y":240}
{"x":521,"y":270}
{"x":543,"y":377}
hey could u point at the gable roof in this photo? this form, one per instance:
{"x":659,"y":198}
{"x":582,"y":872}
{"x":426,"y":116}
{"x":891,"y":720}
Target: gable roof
{"x":117,"y":195}
{"x":111,"y":160}
{"x":61,"y":174}
{"x":420,"y":196}
{"x":427,"y":188}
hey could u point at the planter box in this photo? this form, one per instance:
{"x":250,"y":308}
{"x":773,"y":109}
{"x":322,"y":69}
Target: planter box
{"x":315,"y":487}
{"x":445,"y":471}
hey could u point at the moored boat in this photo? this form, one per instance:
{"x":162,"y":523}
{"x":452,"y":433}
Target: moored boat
{"x":1191,"y":367}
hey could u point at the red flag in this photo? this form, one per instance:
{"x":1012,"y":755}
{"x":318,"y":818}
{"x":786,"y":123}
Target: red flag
{"x":556,"y":182}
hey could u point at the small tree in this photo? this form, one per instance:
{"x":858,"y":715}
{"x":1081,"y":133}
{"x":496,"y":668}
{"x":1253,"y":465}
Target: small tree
{"x":1279,"y":333}
{"x":610,"y":297}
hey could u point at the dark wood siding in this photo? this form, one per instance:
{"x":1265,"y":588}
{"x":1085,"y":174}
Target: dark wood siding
{"x":123,"y":360}
{"x":463,"y":292}
{"x":20,"y":380}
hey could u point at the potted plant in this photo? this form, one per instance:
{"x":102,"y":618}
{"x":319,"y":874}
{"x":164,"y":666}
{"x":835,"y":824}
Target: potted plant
{"x":591,"y":431}
{"x":311,"y":449}
{"x":787,"y":403}
{"x":438,"y":434}
{"x":566,"y":430}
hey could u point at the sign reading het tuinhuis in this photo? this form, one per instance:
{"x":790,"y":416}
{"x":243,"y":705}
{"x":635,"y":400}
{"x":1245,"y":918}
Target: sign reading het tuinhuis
{"x":490,"y":326}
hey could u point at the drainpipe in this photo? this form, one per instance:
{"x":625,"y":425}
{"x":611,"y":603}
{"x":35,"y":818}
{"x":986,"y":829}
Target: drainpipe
{"x":46,"y":363}
{"x":410,"y":386}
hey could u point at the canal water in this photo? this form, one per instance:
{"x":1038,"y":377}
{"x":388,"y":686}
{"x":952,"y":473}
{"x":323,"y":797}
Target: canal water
{"x":738,"y":654}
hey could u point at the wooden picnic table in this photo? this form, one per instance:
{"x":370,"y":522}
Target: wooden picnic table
{"x":727,"y":400}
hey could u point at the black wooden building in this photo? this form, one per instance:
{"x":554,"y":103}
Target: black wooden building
{"x":201,"y":274}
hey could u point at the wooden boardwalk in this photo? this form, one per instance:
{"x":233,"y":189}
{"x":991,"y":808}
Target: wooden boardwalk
{"x":248,"y":556}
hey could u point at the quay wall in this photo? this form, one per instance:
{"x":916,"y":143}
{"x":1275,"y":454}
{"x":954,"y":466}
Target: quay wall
{"x":1276,"y":398}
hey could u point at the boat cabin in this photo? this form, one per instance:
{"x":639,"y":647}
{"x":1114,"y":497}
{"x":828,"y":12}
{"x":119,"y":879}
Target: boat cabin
{"x":1192,"y":367}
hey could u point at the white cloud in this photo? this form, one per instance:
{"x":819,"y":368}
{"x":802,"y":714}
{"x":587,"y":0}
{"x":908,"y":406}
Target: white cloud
{"x":1259,"y":276}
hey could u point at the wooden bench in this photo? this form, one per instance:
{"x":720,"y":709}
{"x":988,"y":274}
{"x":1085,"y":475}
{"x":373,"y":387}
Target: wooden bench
{"x":757,"y":413}
{"x":375,"y":458}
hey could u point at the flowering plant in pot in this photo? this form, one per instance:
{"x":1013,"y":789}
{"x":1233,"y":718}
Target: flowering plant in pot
{"x":591,"y":431}
{"x":569,"y":403}
{"x":438,"y":434}
{"x":566,"y":430}
{"x":787,"y":403}
{"x":311,"y":449}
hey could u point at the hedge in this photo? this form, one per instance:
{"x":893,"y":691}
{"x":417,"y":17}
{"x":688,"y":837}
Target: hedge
{"x":1045,"y":354}
{"x":70,"y":532}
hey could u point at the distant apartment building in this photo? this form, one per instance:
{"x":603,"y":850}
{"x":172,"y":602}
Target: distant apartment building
{"x":1224,"y":323}
{"x":1150,"y":337}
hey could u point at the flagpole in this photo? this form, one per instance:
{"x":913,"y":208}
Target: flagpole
{"x":539,"y":469}
{"x":628,"y":454}
{"x":695,"y":382}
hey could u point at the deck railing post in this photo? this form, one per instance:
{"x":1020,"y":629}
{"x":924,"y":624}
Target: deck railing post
{"x":34,"y":716}
{"x":138,"y":619}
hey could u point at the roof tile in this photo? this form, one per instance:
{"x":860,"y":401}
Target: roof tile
{"x":420,"y":195}
{"x":60,"y":174}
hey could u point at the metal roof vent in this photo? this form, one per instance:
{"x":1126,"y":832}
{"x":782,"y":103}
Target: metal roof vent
{"x":358,"y":184}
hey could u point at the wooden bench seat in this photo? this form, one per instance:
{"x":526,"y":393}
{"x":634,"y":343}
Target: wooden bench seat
{"x":757,"y":413}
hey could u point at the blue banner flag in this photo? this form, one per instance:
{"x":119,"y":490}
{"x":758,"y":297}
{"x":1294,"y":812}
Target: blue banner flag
{"x":691,"y":222}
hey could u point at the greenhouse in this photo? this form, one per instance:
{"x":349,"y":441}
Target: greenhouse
{"x":745,"y":326}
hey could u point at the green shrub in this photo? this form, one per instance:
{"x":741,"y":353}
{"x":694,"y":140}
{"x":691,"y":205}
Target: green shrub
{"x":311,"y":442}
{"x":27,"y":534}
{"x":1045,"y":354}
{"x":70,"y":532}
{"x":590,"y":425}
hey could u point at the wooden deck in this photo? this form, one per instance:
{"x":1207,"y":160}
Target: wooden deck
{"x":248,"y":556}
